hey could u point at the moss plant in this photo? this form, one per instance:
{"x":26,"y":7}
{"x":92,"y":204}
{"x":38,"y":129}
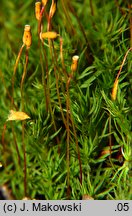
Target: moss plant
{"x":65,"y":122}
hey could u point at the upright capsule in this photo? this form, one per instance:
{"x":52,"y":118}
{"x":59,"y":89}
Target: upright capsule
{"x":53,"y":8}
{"x":74,"y":64}
{"x":27,"y":36}
{"x":44,"y":2}
{"x":37,"y":10}
{"x":114,"y":90}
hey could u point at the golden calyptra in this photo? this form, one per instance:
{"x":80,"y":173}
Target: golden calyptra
{"x":114,"y":90}
{"x":37,"y":10}
{"x":53,"y":8}
{"x":17,"y":115}
{"x":44,"y":2}
{"x":74,"y":65}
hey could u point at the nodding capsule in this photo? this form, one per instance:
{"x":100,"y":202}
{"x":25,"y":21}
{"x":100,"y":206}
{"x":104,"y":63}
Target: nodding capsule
{"x":48,"y":35}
